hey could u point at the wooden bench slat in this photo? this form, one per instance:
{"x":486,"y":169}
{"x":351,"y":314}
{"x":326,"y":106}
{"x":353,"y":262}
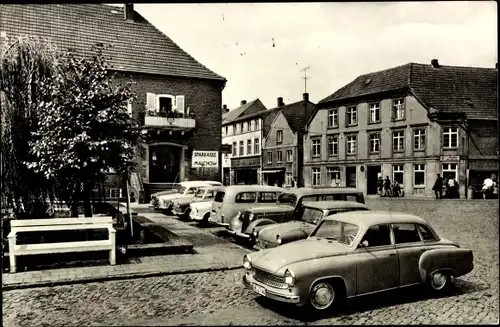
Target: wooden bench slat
{"x":60,"y":221}
{"x":60,"y":227}
{"x":63,"y":247}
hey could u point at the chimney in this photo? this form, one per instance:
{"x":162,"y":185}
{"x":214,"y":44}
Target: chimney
{"x":243,"y":102}
{"x":128,"y":10}
{"x":280,"y":102}
{"x":435,"y":63}
{"x":306,"y":97}
{"x":224,"y":106}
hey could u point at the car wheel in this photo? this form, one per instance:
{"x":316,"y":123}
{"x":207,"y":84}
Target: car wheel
{"x":439,"y":281}
{"x":322,"y":296}
{"x":185,"y":216}
{"x":204,"y":221}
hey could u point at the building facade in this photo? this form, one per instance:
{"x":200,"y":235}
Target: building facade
{"x":242,"y":129}
{"x":282,"y":154}
{"x":178,"y":99}
{"x":405,"y":123}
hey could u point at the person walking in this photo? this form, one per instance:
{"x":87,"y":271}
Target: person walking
{"x":380,"y":186}
{"x":438,"y":187}
{"x":387,"y":186}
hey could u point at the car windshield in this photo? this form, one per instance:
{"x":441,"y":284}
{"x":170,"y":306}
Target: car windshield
{"x":192,"y":190}
{"x":287,"y":198}
{"x":177,"y":188}
{"x":337,"y":231}
{"x":311,"y":215}
{"x":199,"y":194}
{"x":181,"y":189}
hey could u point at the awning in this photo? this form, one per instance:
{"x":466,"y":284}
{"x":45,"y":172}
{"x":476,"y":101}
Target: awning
{"x":272,"y":171}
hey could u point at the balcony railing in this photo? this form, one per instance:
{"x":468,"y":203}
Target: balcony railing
{"x":170,"y":121}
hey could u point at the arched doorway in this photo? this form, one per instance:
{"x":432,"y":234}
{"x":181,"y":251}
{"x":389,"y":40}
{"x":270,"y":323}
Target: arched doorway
{"x":164,"y":163}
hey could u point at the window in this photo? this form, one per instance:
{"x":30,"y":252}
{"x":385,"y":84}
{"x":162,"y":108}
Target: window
{"x":279,"y":136}
{"x":333,"y":118}
{"x":450,"y":170}
{"x":379,"y":235}
{"x":426,"y":234}
{"x":316,"y":176}
{"x":374,"y":142}
{"x":289,"y":156}
{"x":257,"y":124}
{"x":219,"y":197}
{"x":279,"y":157}
{"x":450,"y":137}
{"x":333,"y":145}
{"x":269,"y":157}
{"x":256,"y":146}
{"x":236,"y":128}
{"x":288,"y":179}
{"x":245,"y":197}
{"x":242,"y":149}
{"x":405,"y":233}
{"x":231,"y":129}
{"x":333,"y":176}
{"x":316,"y":147}
{"x":398,"y":109}
{"x":252,"y":125}
{"x":234,"y":149}
{"x":249,"y":146}
{"x":241,"y":127}
{"x":267,"y":197}
{"x":419,"y":175}
{"x":419,"y":139}
{"x":374,"y":113}
{"x":351,"y":144}
{"x":398,"y":141}
{"x":351,"y":116}
{"x":398,"y":173}
{"x":227,"y":130}
{"x":115,"y":193}
{"x":244,"y":127}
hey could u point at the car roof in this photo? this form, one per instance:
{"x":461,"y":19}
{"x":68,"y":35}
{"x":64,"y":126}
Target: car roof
{"x":252,"y":188}
{"x":301,"y":191}
{"x":211,"y":187}
{"x":199,"y":183}
{"x":325,"y":205}
{"x":370,"y":218}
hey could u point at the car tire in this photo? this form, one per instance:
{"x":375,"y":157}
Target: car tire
{"x":325,"y":295}
{"x":204,"y":221}
{"x":185,"y":215}
{"x":439,"y":282}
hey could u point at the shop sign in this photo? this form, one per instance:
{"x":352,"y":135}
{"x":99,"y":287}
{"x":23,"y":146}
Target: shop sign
{"x":226,"y":160}
{"x":245,"y":162}
{"x":205,"y":159}
{"x":450,"y":158}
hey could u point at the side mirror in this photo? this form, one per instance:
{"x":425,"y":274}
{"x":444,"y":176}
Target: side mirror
{"x":363,"y":244}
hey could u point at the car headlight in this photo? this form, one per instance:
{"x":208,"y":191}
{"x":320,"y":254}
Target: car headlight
{"x":251,"y":216}
{"x":247,"y":263}
{"x":289,"y":277}
{"x":278,"y":239}
{"x":255,"y":233}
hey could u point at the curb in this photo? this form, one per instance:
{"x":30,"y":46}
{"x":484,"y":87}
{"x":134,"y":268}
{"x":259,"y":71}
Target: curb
{"x":17,"y":286}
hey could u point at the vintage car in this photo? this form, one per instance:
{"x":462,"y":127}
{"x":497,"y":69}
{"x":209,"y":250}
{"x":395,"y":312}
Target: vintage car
{"x":164,"y":202}
{"x":181,"y":204}
{"x":200,"y":211}
{"x":235,"y":198}
{"x":308,"y":217}
{"x":356,"y":253}
{"x":287,"y":207}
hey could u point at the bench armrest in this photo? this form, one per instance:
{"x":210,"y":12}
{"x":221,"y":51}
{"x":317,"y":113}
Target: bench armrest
{"x":12,"y":234}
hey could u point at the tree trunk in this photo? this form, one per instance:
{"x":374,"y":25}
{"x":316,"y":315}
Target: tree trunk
{"x":87,"y":203}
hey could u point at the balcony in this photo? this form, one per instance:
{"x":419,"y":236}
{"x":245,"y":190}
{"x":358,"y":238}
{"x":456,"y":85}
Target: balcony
{"x":171,"y":121}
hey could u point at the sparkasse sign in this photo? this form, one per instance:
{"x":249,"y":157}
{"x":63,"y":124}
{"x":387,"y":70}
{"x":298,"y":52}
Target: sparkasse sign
{"x":205,"y":159}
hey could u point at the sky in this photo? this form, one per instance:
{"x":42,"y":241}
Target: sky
{"x":261,"y":48}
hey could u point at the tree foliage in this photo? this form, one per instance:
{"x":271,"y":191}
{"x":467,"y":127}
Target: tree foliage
{"x":25,"y":62}
{"x":83,"y":130}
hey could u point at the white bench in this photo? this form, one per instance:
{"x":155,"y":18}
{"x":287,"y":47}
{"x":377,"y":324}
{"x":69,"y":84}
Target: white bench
{"x":32,"y":225}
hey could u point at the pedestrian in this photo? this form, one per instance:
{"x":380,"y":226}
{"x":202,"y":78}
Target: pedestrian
{"x":452,"y":188}
{"x":396,"y":189}
{"x":488,"y":185}
{"x":380,"y":185}
{"x":438,"y":187}
{"x":387,"y":186}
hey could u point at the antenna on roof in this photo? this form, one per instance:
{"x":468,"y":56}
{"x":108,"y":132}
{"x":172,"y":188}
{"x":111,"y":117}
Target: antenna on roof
{"x":305,"y":77}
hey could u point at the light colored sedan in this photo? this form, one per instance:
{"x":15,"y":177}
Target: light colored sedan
{"x":353,"y":254}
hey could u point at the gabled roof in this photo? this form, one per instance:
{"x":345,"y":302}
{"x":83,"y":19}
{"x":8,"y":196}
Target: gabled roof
{"x":447,"y":89}
{"x":138,"y":46}
{"x":248,"y":108}
{"x":297,"y":114}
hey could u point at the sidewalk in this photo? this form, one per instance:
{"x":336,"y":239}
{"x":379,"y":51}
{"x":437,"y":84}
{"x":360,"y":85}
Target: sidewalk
{"x":212,"y":253}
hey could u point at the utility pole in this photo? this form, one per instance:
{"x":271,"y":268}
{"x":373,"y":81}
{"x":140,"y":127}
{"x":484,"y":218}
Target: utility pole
{"x":305,"y":77}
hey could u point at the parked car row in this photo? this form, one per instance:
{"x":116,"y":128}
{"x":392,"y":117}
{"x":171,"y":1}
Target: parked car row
{"x":321,"y":246}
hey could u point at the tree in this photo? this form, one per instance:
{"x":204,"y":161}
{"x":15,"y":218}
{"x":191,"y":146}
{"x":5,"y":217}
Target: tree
{"x":84,"y":130}
{"x":24,"y":63}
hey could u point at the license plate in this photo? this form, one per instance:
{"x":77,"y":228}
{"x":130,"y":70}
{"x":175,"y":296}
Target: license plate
{"x":259,"y":289}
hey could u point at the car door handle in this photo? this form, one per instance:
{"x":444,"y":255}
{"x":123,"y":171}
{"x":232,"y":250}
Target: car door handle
{"x":392,"y":254}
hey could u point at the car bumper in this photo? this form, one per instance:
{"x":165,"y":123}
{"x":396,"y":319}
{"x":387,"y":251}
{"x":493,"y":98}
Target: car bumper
{"x":234,"y":228}
{"x":236,"y":233}
{"x":212,"y":219}
{"x":271,"y":293}
{"x":195,"y":216}
{"x":177,"y":212}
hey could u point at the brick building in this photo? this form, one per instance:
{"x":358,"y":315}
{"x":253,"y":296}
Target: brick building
{"x":283,"y":145}
{"x":410,"y":123}
{"x":178,"y":99}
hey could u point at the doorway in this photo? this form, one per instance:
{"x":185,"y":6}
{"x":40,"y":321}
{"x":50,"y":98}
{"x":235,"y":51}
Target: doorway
{"x":164,"y":164}
{"x":350,"y":173}
{"x":372,"y":173}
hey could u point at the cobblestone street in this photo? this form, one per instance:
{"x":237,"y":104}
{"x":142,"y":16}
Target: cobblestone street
{"x":219,"y":298}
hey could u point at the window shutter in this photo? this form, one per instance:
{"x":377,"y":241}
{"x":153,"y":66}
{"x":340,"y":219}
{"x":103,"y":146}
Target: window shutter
{"x":179,"y":101}
{"x":151,"y":101}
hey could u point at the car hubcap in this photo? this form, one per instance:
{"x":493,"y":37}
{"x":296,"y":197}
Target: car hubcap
{"x":322,"y":296}
{"x":438,"y":281}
